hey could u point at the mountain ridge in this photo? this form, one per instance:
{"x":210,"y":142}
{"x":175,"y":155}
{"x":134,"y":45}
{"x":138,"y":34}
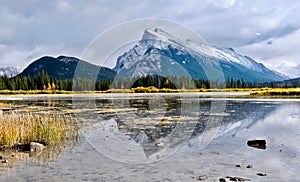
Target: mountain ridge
{"x":152,"y":55}
{"x":64,"y":67}
{"x":160,"y":53}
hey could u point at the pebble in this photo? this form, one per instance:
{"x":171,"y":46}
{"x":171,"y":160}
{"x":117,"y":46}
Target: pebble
{"x":202,"y":177}
{"x":249,"y":166}
{"x":159,"y":144}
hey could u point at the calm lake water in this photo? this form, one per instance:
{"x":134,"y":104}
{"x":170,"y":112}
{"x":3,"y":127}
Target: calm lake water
{"x":161,"y":137}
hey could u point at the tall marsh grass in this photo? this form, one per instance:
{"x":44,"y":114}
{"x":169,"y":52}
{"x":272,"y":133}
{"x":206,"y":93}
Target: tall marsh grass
{"x":23,"y":128}
{"x":285,"y":92}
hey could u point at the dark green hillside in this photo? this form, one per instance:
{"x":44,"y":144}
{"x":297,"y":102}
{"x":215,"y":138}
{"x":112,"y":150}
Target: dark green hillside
{"x":63,"y":68}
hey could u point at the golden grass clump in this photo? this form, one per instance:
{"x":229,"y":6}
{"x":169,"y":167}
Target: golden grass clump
{"x":152,"y":89}
{"x":18,"y":128}
{"x":33,"y":92}
{"x":285,"y":92}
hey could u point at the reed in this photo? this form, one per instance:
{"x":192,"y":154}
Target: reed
{"x":23,"y":128}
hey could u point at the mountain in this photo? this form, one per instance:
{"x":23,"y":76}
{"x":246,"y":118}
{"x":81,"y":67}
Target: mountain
{"x":64,"y":67}
{"x":9,"y":71}
{"x":160,"y":53}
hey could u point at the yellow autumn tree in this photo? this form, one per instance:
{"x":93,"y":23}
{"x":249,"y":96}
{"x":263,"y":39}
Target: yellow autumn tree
{"x":49,"y":86}
{"x":53,"y":86}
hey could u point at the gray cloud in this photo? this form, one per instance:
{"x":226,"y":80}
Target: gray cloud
{"x":32,"y":28}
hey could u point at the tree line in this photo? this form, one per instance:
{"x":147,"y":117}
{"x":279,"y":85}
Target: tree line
{"x":42,"y":81}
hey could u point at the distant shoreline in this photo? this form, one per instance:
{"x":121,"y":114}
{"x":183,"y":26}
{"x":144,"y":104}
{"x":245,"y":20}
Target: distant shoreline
{"x":144,"y":91}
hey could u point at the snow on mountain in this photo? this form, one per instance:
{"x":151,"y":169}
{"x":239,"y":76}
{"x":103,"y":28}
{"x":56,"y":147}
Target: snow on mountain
{"x":9,"y":71}
{"x":157,"y":48}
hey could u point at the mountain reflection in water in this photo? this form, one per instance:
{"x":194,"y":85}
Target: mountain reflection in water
{"x":162,"y":125}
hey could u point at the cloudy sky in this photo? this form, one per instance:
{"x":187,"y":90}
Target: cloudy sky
{"x":268,"y":31}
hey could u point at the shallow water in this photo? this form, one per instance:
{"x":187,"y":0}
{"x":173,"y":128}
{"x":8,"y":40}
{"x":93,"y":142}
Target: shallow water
{"x":168,"y":138}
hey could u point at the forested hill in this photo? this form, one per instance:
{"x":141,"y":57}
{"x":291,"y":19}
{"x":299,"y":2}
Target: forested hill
{"x":63,"y":68}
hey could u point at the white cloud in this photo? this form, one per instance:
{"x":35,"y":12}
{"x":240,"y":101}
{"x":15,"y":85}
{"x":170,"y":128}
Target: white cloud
{"x":12,"y":55}
{"x":224,"y":3}
{"x":280,"y":53}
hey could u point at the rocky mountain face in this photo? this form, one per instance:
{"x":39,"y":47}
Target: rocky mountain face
{"x":160,"y":53}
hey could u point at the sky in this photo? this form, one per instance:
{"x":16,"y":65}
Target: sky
{"x":266,"y":30}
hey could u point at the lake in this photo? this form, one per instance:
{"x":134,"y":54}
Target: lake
{"x":164,"y":137}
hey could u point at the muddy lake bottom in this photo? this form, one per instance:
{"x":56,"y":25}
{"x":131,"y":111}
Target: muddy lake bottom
{"x":163,"y":137}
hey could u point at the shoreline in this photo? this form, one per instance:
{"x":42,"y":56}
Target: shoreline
{"x":113,"y":96}
{"x":263,"y":93}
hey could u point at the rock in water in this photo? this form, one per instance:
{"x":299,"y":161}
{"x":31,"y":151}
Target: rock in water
{"x":235,"y":179}
{"x":202,"y":177}
{"x":261,"y":174}
{"x":249,"y":166}
{"x":222,"y":180}
{"x":260,"y":144}
{"x":159,"y":144}
{"x":36,"y":147}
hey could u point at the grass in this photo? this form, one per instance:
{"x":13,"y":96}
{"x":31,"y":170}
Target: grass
{"x":37,"y":92}
{"x":166,"y":90}
{"x":28,"y":92}
{"x":152,"y":89}
{"x":48,"y":129}
{"x":287,"y":92}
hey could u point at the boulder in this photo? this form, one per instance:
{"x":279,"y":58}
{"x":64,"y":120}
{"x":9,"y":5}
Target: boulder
{"x":222,"y":180}
{"x":36,"y":147}
{"x":260,"y":144}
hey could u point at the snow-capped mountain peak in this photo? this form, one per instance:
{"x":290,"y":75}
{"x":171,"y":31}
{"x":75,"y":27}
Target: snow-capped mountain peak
{"x":158,"y":34}
{"x":192,"y":56}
